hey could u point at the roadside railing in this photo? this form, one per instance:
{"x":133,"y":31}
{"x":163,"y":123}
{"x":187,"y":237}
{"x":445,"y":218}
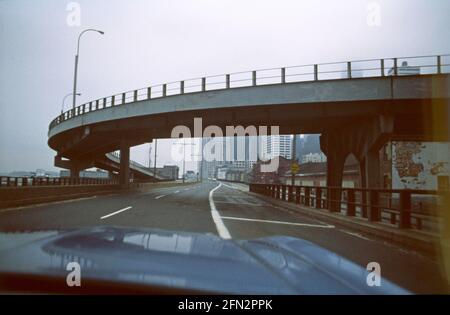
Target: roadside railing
{"x":9,"y":181}
{"x":423,"y":65}
{"x":405,"y":209}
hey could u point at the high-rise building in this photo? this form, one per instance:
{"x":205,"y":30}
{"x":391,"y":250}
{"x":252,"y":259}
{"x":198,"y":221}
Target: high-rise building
{"x":276,"y":145}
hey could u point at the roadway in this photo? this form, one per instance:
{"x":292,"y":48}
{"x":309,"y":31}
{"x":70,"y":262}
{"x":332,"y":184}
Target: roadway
{"x":229,"y":210}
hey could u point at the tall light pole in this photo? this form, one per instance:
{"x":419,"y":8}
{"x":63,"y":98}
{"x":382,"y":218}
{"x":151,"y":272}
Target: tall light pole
{"x":294,"y":160}
{"x":184,"y":159}
{"x":64,"y":101}
{"x":201,"y":161}
{"x":154,"y":163}
{"x":184,"y":144}
{"x":76,"y":63}
{"x":200,"y":172}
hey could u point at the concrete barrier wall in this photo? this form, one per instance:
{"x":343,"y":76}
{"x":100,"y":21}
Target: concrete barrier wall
{"x":11,"y":197}
{"x":21,"y":196}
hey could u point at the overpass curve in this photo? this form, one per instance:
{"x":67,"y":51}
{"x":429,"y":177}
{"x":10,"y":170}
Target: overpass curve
{"x":317,"y":104}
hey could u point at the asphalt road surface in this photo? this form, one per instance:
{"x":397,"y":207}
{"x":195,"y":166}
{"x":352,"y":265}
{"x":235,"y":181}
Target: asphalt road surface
{"x":227,"y":209}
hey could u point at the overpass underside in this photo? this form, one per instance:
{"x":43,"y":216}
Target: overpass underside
{"x":358,"y":128}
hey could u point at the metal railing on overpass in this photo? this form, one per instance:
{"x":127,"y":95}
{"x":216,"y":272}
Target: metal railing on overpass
{"x":399,"y":66}
{"x":403,"y":208}
{"x":9,"y":181}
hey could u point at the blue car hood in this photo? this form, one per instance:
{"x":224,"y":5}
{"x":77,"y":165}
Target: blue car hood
{"x":191,"y":261}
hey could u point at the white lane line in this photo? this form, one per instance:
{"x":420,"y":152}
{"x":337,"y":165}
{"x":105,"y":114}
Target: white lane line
{"x":236,"y":187}
{"x":176,"y":192}
{"x":280,"y":222}
{"x":241,"y":203}
{"x":356,"y":235}
{"x":226,"y":185}
{"x":187,"y":189}
{"x":220,"y":226}
{"x":116,"y":212}
{"x":296,"y":213}
{"x":160,"y":196}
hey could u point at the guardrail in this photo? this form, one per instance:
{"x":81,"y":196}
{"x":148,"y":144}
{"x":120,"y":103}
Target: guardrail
{"x":8,"y":181}
{"x":405,"y":209}
{"x":423,"y":65}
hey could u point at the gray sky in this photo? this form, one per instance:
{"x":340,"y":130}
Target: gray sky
{"x":156,"y":41}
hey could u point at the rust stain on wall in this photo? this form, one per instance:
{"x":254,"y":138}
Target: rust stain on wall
{"x":404,"y":164}
{"x":437,"y":168}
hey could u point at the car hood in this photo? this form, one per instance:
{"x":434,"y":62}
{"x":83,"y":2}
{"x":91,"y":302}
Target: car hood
{"x":191,"y":261}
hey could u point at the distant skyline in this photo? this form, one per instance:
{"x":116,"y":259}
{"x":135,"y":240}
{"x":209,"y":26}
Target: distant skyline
{"x":150,"y":42}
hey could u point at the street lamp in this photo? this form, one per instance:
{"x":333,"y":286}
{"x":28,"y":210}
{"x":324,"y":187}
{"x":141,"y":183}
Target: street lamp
{"x":76,"y":63}
{"x":200,"y":173}
{"x":184,"y":144}
{"x":64,"y":101}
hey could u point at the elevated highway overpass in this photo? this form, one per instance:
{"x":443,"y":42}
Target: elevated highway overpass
{"x":356,"y":106}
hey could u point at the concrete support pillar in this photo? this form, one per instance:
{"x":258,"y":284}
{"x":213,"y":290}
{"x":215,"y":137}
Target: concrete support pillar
{"x":371,"y":175}
{"x":333,"y":145}
{"x":363,"y":139}
{"x":112,"y":176}
{"x":362,"y":181}
{"x":124,"y":173}
{"x":75,"y":172}
{"x":372,"y":169}
{"x":335,"y":170}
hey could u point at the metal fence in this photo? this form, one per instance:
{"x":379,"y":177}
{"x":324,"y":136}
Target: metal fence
{"x":416,"y":65}
{"x":406,"y":209}
{"x":8,"y":181}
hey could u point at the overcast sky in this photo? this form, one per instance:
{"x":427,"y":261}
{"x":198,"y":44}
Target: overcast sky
{"x":156,"y":41}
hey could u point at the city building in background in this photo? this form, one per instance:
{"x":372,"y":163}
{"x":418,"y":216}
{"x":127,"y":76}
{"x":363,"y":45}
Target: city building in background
{"x":98,"y":173}
{"x":242,"y":161}
{"x":404,"y":69}
{"x":315,"y":174}
{"x":38,"y":173}
{"x":307,"y":144}
{"x":169,"y":172}
{"x":276,"y":145}
{"x":314,"y":158}
{"x":309,"y":174}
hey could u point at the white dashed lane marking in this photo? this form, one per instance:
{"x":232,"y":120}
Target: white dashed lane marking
{"x":116,"y":212}
{"x":326,"y":226}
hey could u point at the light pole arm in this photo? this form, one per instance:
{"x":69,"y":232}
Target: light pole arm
{"x":64,"y":100}
{"x":81,"y":34}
